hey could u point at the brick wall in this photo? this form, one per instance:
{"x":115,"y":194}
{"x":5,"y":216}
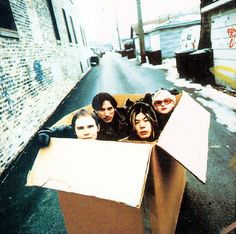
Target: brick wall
{"x":36,"y":71}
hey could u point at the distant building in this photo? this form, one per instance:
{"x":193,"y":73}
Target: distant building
{"x":166,"y":36}
{"x":41,"y":60}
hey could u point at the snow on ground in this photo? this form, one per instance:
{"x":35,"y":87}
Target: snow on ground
{"x":222,"y":104}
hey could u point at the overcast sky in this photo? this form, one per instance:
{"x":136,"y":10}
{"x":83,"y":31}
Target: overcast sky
{"x":101,"y":16}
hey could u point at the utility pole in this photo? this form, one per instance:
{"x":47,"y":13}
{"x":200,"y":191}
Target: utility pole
{"x":140,"y":32}
{"x":118,"y":34}
{"x":117,"y":26}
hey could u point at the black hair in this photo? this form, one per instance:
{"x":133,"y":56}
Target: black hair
{"x":99,"y":99}
{"x":146,"y":109}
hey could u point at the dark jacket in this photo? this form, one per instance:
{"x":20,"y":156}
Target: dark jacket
{"x":64,"y":131}
{"x":134,"y":137}
{"x":163,"y":119}
{"x":43,"y":136}
{"x":115,"y":130}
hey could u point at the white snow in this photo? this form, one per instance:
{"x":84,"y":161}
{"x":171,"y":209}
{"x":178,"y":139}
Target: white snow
{"x":222,"y":104}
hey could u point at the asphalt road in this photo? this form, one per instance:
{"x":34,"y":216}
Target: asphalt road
{"x":206,"y":208}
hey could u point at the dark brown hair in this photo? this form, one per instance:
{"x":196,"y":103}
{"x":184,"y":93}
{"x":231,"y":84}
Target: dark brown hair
{"x":99,"y":99}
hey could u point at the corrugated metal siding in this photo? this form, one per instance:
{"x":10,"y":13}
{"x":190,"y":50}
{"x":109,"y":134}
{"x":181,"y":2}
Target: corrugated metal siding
{"x":170,"y":41}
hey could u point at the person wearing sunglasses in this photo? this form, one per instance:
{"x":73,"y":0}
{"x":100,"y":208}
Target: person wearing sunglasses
{"x":164,"y":103}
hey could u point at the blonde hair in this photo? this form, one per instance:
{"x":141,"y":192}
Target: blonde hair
{"x":163,"y":93}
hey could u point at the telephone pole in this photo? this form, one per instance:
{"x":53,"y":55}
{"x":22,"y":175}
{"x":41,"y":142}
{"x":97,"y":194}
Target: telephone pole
{"x":118,"y":34}
{"x":140,"y":32}
{"x":117,"y":26}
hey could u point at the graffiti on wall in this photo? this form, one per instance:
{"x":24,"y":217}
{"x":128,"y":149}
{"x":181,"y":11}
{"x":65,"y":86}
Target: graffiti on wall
{"x":232,"y":37}
{"x":6,"y":83}
{"x":38,"y":71}
{"x":39,"y":74}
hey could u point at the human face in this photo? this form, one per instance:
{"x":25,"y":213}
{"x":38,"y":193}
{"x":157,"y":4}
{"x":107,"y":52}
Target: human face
{"x":164,"y":105}
{"x":86,"y":128}
{"x":107,"y":112}
{"x":142,"y":126}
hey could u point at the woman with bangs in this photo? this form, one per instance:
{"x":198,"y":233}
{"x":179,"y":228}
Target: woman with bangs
{"x":143,"y":121}
{"x":164,"y":103}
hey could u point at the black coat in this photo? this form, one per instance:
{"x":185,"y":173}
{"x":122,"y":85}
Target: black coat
{"x":43,"y":136}
{"x":162,"y":119}
{"x":134,"y":137}
{"x":63,"y":131}
{"x":115,"y":130}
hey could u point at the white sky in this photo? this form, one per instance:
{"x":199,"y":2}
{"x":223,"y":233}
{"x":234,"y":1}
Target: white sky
{"x":222,"y":104}
{"x":100,"y":16}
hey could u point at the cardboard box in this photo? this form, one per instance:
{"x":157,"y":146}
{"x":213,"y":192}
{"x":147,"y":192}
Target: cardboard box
{"x":130,"y":187}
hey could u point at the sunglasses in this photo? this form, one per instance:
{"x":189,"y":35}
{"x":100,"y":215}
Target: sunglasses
{"x":166,"y":101}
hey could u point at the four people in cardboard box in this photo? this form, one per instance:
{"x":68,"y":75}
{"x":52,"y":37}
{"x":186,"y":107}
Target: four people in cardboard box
{"x":139,"y":121}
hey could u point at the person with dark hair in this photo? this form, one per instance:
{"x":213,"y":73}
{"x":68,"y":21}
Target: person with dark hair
{"x":112,"y":120}
{"x":143,"y":121}
{"x":84,"y":125}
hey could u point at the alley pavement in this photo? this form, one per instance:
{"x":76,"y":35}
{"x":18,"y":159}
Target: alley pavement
{"x":206,"y":208}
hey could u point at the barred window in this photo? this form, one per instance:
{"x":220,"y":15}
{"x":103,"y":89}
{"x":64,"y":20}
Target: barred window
{"x":54,"y":21}
{"x":73,"y":28}
{"x":67,"y":25}
{"x":7,"y":23}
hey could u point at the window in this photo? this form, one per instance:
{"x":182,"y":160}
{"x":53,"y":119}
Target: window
{"x":73,"y":28}
{"x":54,"y":22}
{"x":67,"y":26}
{"x":7,"y":23}
{"x":83,"y":37}
{"x":189,"y":36}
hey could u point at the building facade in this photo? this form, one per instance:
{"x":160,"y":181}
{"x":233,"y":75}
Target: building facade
{"x":167,"y":36}
{"x":222,"y":14}
{"x":41,"y":59}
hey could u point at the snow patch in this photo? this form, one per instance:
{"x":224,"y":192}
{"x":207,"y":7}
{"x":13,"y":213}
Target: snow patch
{"x":222,"y":104}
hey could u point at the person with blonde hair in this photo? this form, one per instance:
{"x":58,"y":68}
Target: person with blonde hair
{"x":164,"y":103}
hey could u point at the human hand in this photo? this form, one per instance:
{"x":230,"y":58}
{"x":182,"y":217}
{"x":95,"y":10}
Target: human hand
{"x":43,"y":137}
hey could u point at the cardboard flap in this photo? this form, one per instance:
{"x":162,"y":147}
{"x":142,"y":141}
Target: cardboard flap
{"x":115,"y":171}
{"x":185,"y":136}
